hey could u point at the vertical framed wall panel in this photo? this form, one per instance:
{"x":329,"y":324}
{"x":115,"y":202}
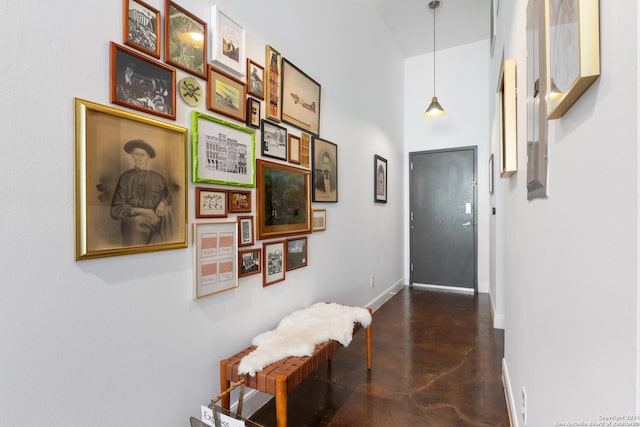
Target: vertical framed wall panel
{"x":508,"y":120}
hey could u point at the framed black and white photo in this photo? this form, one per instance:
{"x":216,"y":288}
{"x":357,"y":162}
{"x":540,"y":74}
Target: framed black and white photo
{"x":112,"y":148}
{"x":250,"y":262}
{"x":379,"y":179}
{"x":141,"y":83}
{"x":253,"y":113}
{"x":275,"y":261}
{"x":296,"y":253}
{"x":255,"y":79}
{"x":274,"y":141}
{"x":325,"y":171}
{"x":141,"y":25}
{"x":245,"y":231}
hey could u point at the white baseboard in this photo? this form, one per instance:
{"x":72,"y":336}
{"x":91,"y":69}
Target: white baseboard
{"x":508,"y":394}
{"x":385,"y":296}
{"x":446,"y":288}
{"x":498,"y":319}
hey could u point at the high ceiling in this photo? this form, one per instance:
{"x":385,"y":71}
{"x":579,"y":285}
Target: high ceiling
{"x":458,"y":22}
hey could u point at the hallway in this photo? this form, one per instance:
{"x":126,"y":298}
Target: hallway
{"x":436,"y":362}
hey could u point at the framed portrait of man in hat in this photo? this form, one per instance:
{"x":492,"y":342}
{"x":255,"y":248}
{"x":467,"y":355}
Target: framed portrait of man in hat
{"x":131,"y":183}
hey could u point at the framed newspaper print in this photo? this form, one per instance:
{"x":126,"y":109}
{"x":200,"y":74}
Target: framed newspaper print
{"x":216,"y":257}
{"x":222,"y":152}
{"x":275,"y":260}
{"x":111,"y":148}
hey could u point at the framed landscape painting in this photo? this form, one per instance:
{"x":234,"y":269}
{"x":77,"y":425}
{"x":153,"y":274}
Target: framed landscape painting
{"x":185,"y":40}
{"x":226,"y":95}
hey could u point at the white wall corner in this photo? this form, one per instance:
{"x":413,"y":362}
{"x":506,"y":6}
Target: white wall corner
{"x":498,"y":318}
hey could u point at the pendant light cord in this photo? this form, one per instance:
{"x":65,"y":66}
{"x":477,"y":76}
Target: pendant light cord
{"x":434,"y":51}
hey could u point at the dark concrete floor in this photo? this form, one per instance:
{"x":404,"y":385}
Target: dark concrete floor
{"x":436,"y":362}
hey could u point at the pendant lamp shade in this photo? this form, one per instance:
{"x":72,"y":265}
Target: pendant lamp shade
{"x":434,"y":109}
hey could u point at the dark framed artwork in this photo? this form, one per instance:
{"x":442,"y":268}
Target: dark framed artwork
{"x":245,"y":231}
{"x":185,"y":40}
{"x":275,"y":259}
{"x":294,"y":149}
{"x":379,"y":179}
{"x":239,"y":201}
{"x":273,"y":61}
{"x":228,"y":42}
{"x":300,"y":99}
{"x":255,"y":79}
{"x":222,"y":152}
{"x":141,"y":83}
{"x":141,"y":27}
{"x":274,"y":140}
{"x":283,"y":200}
{"x":253,"y":113}
{"x":250,"y":262}
{"x":216,"y":256}
{"x":325,"y":171}
{"x":211,"y":202}
{"x":226,"y":95}
{"x":296,"y":253}
{"x":111,"y":147}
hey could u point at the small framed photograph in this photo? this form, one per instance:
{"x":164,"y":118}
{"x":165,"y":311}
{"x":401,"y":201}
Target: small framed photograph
{"x":226,"y":95}
{"x":211,"y":203}
{"x":255,"y":79}
{"x":294,"y":149}
{"x":273,"y":63}
{"x":239,"y":201}
{"x":325,"y":171}
{"x":319,"y":220}
{"x":250,"y":262}
{"x":185,"y":40}
{"x":107,"y":165}
{"x":300,"y":99}
{"x":296,"y":253}
{"x":216,"y":257}
{"x":379,"y":179}
{"x":227,"y":42}
{"x":253,"y":113}
{"x":245,"y":231}
{"x":141,"y":83}
{"x":275,"y":260}
{"x":274,"y":140}
{"x":141,"y":25}
{"x":305,"y":150}
{"x":222,"y":152}
{"x":283,"y":200}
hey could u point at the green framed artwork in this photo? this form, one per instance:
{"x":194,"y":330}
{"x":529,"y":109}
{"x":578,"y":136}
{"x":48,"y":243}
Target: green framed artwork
{"x":222,"y":152}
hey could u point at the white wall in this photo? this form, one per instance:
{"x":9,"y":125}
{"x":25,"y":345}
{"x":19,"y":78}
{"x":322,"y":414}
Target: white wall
{"x":461,"y":87}
{"x":571,"y":261}
{"x":120,"y":341}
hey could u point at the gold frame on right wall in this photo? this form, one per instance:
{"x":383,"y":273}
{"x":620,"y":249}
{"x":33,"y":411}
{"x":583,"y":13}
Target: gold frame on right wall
{"x":573,"y":45}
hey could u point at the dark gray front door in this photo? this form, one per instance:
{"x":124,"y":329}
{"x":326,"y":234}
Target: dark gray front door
{"x":443,"y":217}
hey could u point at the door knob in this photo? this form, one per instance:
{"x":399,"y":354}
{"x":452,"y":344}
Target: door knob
{"x":467,"y":224}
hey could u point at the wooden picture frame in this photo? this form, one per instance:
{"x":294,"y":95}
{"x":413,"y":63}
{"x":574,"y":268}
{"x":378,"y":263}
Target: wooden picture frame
{"x":275,"y":261}
{"x":573,"y":64}
{"x":255,"y":79}
{"x":227,"y":43}
{"x":239,"y":201}
{"x":274,"y":140}
{"x":305,"y":150}
{"x":249,"y":262}
{"x":185,"y":40}
{"x":273,"y":85}
{"x":141,"y":83}
{"x":106,"y":142}
{"x":226,"y":95}
{"x":216,"y":257}
{"x":141,"y":27}
{"x":325,"y":171}
{"x":253,"y":113}
{"x":319,"y":220}
{"x":283,"y":199}
{"x":300,"y":99}
{"x":508,"y":119}
{"x":379,"y":179}
{"x":211,"y":202}
{"x":245,"y":231}
{"x":296,"y":253}
{"x":294,"y":149}
{"x":222,"y":152}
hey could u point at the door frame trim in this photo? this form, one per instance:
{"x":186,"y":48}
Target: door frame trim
{"x":473,"y":148}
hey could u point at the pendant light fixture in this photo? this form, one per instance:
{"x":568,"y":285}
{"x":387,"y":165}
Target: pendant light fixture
{"x":434,"y":109}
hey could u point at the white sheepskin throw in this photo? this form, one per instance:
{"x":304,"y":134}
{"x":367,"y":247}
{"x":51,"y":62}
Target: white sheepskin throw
{"x":300,"y":332}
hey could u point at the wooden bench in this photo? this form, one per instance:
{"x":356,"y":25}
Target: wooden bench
{"x":280,"y":377}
